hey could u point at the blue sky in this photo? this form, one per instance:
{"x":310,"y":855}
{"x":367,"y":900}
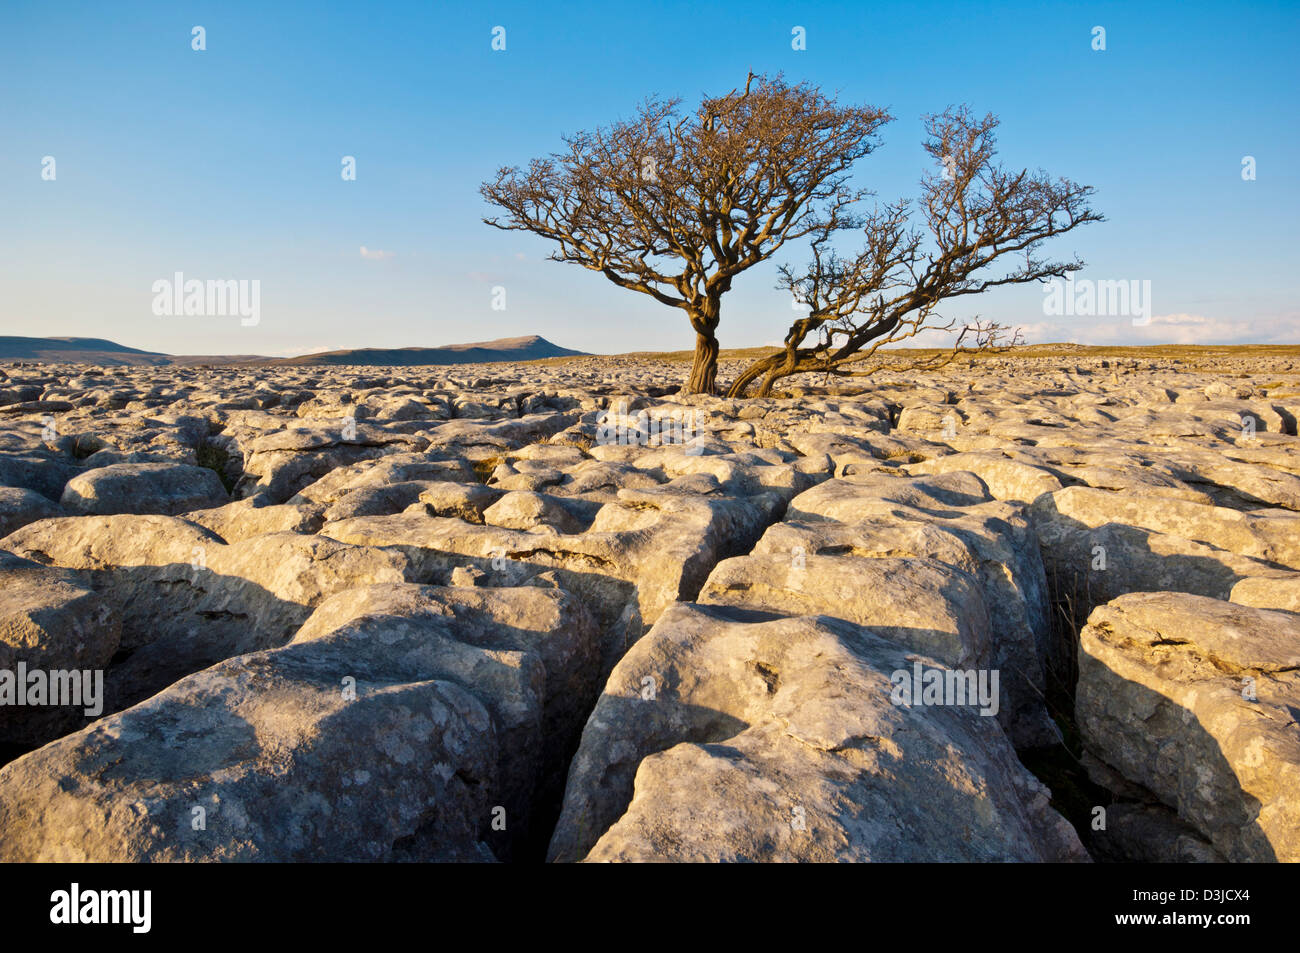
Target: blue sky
{"x":225,"y":163}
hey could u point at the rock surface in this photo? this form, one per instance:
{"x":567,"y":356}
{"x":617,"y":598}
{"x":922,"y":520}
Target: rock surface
{"x":53,"y":625}
{"x":501,"y":555}
{"x":1195,"y":700}
{"x":717,"y":740}
{"x":168,"y":488}
{"x":391,"y":728}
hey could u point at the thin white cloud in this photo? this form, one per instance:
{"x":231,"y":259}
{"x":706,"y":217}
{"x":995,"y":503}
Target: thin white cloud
{"x":1037,"y":333}
{"x":374,"y":254}
{"x":1181,"y":328}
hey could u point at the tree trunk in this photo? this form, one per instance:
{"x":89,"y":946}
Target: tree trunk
{"x":771,"y":368}
{"x":751,"y":374}
{"x":765,"y":389}
{"x":704,"y":371}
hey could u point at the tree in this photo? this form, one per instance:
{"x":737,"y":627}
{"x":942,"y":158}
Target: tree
{"x":977,"y":214}
{"x":676,"y":206}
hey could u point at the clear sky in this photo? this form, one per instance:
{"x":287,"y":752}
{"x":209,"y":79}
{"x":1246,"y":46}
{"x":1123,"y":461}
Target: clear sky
{"x":225,"y":163}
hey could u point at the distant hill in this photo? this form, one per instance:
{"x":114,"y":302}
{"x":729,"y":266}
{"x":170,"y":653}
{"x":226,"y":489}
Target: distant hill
{"x":76,"y":350}
{"x":60,"y":350}
{"x":529,"y":348}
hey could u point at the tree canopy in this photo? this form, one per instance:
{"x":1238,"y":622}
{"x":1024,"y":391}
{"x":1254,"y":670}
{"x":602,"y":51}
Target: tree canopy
{"x":676,"y":204}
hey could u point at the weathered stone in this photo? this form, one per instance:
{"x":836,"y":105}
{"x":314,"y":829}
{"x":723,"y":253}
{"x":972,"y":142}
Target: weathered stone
{"x":438,"y":698}
{"x":777,"y":741}
{"x":18,"y":507}
{"x":1195,"y":700}
{"x":51,"y":624}
{"x":187,"y":600}
{"x":922,"y":604}
{"x":520,"y":509}
{"x":978,"y":511}
{"x":163,"y":488}
{"x":1272,"y":536}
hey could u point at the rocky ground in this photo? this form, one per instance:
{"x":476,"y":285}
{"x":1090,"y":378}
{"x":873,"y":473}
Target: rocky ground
{"x":527,"y":611}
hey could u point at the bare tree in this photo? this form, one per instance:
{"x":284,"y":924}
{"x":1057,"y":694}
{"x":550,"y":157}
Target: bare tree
{"x":977,"y":214}
{"x":676,"y":206}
